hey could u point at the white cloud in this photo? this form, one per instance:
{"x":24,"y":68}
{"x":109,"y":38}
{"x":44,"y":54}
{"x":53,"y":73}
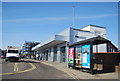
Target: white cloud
{"x":56,"y":18}
{"x":96,"y":16}
{"x":36,"y":19}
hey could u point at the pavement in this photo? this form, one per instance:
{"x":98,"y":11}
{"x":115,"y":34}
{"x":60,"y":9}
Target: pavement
{"x":77,"y":74}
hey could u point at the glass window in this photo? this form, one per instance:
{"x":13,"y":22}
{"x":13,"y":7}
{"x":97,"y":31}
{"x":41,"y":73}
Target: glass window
{"x":78,"y":52}
{"x":63,"y":54}
{"x":12,"y":51}
{"x":49,"y":52}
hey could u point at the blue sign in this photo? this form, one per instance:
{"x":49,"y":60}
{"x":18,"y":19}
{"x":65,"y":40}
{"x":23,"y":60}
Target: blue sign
{"x":86,"y":56}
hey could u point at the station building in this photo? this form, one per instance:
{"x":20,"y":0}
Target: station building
{"x":56,"y":48}
{"x":26,"y":48}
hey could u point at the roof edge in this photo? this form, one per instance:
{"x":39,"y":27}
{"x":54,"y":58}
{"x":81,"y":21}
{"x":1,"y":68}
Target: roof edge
{"x":94,"y":26}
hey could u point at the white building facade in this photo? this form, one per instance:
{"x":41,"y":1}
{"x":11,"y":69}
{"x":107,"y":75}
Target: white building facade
{"x":56,"y":48}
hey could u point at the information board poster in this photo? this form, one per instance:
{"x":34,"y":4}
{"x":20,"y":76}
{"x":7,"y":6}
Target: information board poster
{"x":71,"y":56}
{"x":86,"y":56}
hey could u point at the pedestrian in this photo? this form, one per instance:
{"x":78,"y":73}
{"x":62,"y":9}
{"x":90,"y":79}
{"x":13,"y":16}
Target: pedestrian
{"x":36,"y":56}
{"x":40,"y":57}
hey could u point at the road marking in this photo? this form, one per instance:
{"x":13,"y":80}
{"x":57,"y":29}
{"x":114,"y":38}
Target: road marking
{"x":16,"y":67}
{"x":32,"y":68}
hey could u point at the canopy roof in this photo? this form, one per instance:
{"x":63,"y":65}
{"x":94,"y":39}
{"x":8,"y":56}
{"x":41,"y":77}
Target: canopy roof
{"x":94,"y":40}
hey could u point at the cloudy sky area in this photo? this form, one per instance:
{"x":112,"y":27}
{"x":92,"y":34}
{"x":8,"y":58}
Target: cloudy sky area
{"x":25,"y":21}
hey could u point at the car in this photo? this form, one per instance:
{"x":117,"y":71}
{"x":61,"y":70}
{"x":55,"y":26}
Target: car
{"x":3,"y":57}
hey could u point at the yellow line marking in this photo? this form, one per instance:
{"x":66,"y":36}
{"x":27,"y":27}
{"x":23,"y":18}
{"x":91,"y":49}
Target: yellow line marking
{"x":16,"y":67}
{"x":33,"y":67}
{"x":69,"y":73}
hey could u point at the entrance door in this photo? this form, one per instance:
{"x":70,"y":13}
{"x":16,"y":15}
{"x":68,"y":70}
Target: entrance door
{"x":46,"y":54}
{"x":44,"y":57}
{"x":62,"y":54}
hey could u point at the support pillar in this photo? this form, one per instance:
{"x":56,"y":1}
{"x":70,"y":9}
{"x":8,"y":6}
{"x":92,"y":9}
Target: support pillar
{"x":58,"y":54}
{"x":67,"y":48}
{"x":51,"y":58}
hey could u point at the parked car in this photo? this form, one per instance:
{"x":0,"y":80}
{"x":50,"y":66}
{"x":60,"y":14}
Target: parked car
{"x":3,"y":57}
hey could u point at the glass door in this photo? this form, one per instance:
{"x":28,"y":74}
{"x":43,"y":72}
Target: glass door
{"x":62,"y":54}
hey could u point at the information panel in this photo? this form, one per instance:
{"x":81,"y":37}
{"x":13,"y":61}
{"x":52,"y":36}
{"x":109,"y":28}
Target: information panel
{"x":71,"y":57}
{"x":86,"y":56}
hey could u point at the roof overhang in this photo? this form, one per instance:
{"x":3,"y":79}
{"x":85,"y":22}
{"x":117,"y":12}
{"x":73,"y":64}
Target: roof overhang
{"x":50,"y":44}
{"x":94,"y":40}
{"x":55,"y":40}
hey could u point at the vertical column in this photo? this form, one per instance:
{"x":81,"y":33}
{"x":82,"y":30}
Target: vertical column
{"x":91,"y":58}
{"x":51,"y":58}
{"x":44,"y":58}
{"x":107,"y":47}
{"x":58,"y":53}
{"x":42,"y":53}
{"x":33,"y":56}
{"x":66,"y":49}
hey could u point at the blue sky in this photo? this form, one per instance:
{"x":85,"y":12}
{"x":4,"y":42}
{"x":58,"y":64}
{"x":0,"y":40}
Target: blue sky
{"x":38,"y":21}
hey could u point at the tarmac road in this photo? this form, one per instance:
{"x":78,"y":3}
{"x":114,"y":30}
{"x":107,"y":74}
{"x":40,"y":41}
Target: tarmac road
{"x":30,"y":70}
{"x":36,"y":71}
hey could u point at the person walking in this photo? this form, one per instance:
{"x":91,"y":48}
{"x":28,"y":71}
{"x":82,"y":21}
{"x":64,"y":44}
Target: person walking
{"x":40,"y":57}
{"x":36,"y":56}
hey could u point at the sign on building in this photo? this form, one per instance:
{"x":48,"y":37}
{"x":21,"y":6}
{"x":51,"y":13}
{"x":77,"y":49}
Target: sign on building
{"x":71,"y":57}
{"x":86,"y":56}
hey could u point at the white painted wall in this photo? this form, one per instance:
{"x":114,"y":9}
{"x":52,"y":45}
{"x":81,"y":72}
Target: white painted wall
{"x":65,"y":34}
{"x":50,"y":58}
{"x":101,"y":31}
{"x":87,"y":28}
{"x":82,"y":35}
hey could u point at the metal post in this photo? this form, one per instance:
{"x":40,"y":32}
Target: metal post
{"x":67,"y":49}
{"x":74,"y":58}
{"x":95,"y":57}
{"x":108,"y":47}
{"x":91,"y":58}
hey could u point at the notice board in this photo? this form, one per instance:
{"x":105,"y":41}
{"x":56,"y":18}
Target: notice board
{"x":86,"y":56}
{"x":71,"y":57}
